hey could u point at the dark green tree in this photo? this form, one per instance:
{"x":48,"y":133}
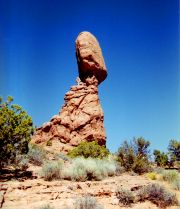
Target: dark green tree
{"x":160,"y":158}
{"x":174,"y":150}
{"x":134,"y":155}
{"x":16,"y":128}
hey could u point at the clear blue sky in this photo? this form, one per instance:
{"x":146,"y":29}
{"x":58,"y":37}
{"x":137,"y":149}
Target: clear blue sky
{"x":139,"y":40}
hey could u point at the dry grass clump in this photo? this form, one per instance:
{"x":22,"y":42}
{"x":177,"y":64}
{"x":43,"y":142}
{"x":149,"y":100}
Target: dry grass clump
{"x":158,"y":195}
{"x":87,"y":202}
{"x":125,"y":197}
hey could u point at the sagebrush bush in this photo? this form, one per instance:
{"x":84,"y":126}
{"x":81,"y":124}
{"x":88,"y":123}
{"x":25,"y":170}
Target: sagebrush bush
{"x":87,"y":202}
{"x":89,"y":149}
{"x":52,"y":170}
{"x":170,"y":175}
{"x":158,"y":195}
{"x":36,"y":154}
{"x":81,"y":169}
{"x":21,"y":162}
{"x":176,"y":185}
{"x":125,"y":196}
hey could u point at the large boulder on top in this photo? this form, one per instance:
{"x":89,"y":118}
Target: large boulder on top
{"x":89,"y":57}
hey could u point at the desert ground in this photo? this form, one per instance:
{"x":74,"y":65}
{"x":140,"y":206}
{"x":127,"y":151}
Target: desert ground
{"x":34,"y":192}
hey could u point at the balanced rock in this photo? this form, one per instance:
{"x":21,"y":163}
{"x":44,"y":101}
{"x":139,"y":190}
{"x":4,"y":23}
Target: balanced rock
{"x":89,"y":57}
{"x":81,"y":117}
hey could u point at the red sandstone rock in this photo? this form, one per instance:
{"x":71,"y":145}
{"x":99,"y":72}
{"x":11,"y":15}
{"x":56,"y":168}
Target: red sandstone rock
{"x":80,"y":119}
{"x":89,"y":57}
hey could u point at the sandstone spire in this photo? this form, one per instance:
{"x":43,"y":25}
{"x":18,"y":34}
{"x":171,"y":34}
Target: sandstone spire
{"x":81,"y":117}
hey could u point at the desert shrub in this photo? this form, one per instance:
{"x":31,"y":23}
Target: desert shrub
{"x":160,"y":158}
{"x":52,"y":170}
{"x":158,"y":195}
{"x":176,"y":184}
{"x":87,"y":202}
{"x":21,"y":162}
{"x":89,"y":149}
{"x":152,"y":176}
{"x":62,"y":157}
{"x":170,"y":175}
{"x":125,"y":196}
{"x":36,"y":154}
{"x":81,"y":169}
{"x":134,"y":155}
{"x":16,"y":128}
{"x":158,"y":170}
{"x":46,"y":207}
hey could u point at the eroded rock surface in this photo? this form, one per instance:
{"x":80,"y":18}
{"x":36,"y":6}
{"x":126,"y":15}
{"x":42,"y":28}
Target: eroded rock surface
{"x":89,"y":57}
{"x":80,"y":119}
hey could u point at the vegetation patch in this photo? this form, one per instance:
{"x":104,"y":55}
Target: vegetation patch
{"x":89,"y":149}
{"x":80,"y":169}
{"x":87,"y":202}
{"x":52,"y":171}
{"x":125,"y":197}
{"x":170,"y":175}
{"x":158,"y":195}
{"x":152,"y":176}
{"x":36,"y":155}
{"x":16,"y":128}
{"x":134,"y":155}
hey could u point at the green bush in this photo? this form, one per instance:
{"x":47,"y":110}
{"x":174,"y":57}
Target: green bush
{"x":160,"y":158}
{"x":52,"y":170}
{"x":134,"y":155}
{"x":87,"y":202}
{"x":16,"y":128}
{"x":125,"y":196}
{"x":158,"y":195}
{"x":89,"y":149}
{"x":36,"y":155}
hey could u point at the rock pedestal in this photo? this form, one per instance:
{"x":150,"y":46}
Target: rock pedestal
{"x":81,"y":117}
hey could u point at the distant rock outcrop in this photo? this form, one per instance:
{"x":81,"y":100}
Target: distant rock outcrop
{"x":81,"y":117}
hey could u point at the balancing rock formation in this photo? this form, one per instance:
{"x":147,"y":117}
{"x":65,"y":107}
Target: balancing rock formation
{"x":81,"y":117}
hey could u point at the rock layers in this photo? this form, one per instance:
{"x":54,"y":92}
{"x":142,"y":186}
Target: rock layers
{"x":81,"y":117}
